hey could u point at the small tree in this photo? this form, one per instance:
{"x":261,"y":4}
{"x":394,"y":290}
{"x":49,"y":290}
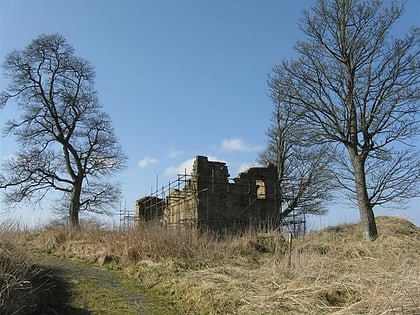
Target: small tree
{"x":357,"y":87}
{"x":67,"y":143}
{"x":305,"y":180}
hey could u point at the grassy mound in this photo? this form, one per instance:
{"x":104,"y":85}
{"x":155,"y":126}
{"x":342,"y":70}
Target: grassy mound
{"x":330,"y":271}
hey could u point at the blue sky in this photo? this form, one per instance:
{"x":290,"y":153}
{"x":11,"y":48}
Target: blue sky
{"x":179,"y":78}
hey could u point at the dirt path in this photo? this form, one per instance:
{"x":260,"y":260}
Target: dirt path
{"x":82,"y":289}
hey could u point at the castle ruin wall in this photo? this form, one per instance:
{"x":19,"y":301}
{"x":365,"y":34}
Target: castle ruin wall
{"x":210,"y":200}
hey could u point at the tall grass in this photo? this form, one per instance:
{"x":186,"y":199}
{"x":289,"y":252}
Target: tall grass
{"x":331,"y":271}
{"x":153,"y":243}
{"x":23,"y":286}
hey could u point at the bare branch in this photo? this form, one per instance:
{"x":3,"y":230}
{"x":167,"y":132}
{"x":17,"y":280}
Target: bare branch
{"x":358,"y":87}
{"x":68,"y":143}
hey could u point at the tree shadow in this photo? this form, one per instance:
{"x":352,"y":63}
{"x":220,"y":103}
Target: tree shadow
{"x":57,"y":299}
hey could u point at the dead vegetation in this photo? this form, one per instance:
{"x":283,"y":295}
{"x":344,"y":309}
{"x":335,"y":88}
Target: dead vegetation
{"x":23,"y":286}
{"x":331,"y":271}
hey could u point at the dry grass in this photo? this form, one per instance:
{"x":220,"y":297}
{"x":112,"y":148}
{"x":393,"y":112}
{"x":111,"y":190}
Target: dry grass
{"x":23,"y":286}
{"x":331,"y":271}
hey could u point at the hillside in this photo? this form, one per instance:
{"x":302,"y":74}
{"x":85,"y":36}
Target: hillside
{"x":332,"y":271}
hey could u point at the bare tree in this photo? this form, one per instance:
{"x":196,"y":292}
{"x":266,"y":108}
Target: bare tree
{"x":305,"y":180}
{"x":67,"y":142}
{"x":358,"y":87}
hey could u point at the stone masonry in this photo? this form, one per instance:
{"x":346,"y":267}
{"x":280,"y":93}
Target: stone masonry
{"x":210,"y":200}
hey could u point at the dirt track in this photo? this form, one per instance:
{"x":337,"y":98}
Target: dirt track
{"x":82,"y":289}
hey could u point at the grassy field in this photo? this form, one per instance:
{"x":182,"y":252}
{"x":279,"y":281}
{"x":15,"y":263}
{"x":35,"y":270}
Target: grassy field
{"x":332,"y":271}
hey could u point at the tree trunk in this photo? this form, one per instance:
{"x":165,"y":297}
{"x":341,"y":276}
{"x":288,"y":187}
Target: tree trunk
{"x":75,"y":205}
{"x":367,"y":216}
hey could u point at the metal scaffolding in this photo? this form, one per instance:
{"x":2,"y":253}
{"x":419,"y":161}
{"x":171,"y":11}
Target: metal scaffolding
{"x":179,"y":196}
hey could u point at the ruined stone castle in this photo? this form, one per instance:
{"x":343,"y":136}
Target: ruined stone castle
{"x":207,"y":198}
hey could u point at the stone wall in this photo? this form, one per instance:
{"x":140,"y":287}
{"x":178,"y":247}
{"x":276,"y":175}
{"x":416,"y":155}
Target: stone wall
{"x":149,"y":209}
{"x":210,"y":200}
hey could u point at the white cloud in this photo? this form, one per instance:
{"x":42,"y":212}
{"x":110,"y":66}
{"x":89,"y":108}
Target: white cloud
{"x":185,"y":166}
{"x":174,"y":153}
{"x":104,"y":163}
{"x":245,"y":166}
{"x":236,"y":144}
{"x":146,"y":162}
